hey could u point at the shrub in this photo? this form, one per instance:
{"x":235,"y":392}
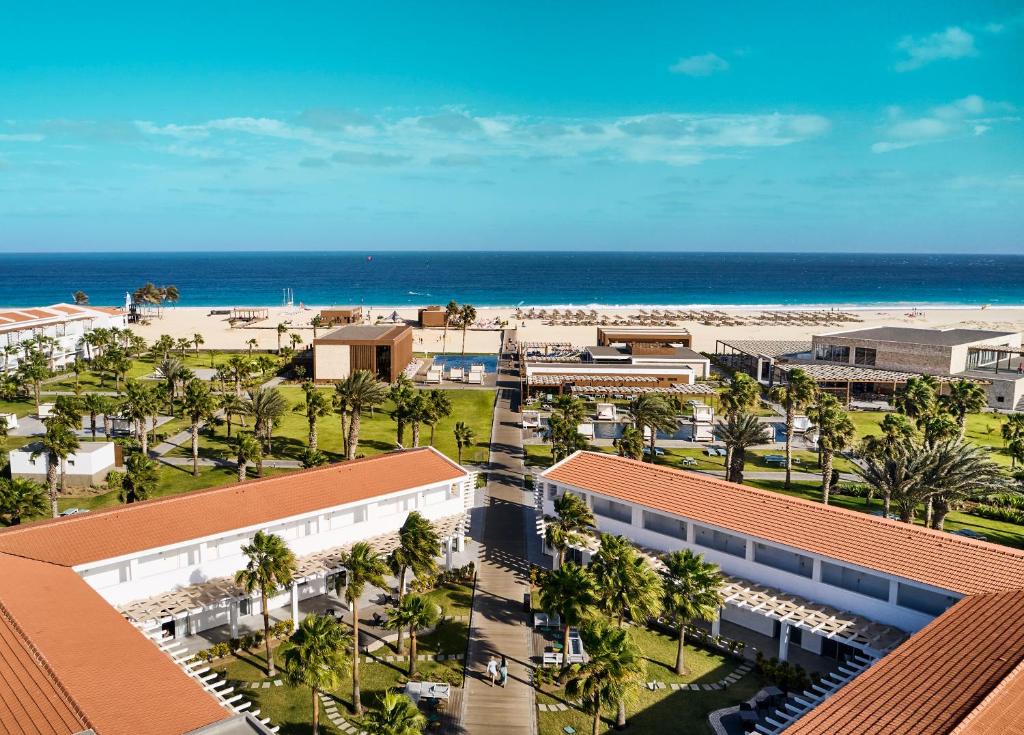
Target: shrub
{"x":115,"y":480}
{"x":853,"y":489}
{"x":786,"y":676}
{"x":450,"y":676}
{"x":999,"y":513}
{"x":282,"y":629}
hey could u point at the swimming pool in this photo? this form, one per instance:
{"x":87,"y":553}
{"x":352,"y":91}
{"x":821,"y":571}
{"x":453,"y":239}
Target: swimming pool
{"x":490,"y":362}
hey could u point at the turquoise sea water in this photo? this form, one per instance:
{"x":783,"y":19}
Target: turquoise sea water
{"x":528,"y":278}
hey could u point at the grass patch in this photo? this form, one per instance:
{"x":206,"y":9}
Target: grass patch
{"x":454,"y":599}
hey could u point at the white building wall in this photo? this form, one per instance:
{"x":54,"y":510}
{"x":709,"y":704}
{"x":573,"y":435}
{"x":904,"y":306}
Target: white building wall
{"x":881,"y":611}
{"x":155,"y":571}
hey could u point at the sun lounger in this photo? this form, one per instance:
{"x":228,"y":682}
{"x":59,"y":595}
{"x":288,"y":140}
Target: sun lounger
{"x":475,"y":377}
{"x":455,"y":374}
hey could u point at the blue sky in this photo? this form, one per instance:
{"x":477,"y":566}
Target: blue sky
{"x":854,"y":126}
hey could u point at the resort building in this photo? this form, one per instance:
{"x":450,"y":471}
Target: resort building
{"x":645,"y":339}
{"x":613,"y":369}
{"x":873,"y":363}
{"x":432,"y":316}
{"x":79,"y":596}
{"x":383,"y":350}
{"x":66,"y":324}
{"x":339,"y":316}
{"x":88,"y":465}
{"x":905,"y":608}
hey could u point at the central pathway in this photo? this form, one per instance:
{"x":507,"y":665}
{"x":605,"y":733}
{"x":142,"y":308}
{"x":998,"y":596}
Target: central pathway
{"x":499,"y":623}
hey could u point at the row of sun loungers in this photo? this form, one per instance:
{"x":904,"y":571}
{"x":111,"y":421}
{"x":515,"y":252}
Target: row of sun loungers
{"x":475,"y":374}
{"x":670,"y":317}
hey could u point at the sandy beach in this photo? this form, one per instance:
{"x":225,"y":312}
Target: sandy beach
{"x":218,"y":334}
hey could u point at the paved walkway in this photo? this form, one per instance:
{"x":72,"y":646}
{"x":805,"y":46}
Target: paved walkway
{"x":499,"y":623}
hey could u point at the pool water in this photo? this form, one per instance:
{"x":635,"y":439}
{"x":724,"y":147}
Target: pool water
{"x":490,"y":362}
{"x":613,"y":430}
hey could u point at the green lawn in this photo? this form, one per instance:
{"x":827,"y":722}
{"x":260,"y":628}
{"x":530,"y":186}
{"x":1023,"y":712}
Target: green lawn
{"x":291,"y":707}
{"x":20,"y":408}
{"x":453,"y":599}
{"x":376,"y":435}
{"x":662,"y":710}
{"x":140,"y":367}
{"x":982,"y":429}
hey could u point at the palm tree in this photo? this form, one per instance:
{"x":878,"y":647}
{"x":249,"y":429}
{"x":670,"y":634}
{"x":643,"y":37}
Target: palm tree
{"x":271,"y":564}
{"x":916,"y":399}
{"x":57,"y":444}
{"x":395,"y":715}
{"x":631,"y":443}
{"x":964,"y":397}
{"x":960,"y":471}
{"x":314,"y":656}
{"x":282,"y":330}
{"x":798,"y":391}
{"x":80,"y":297}
{"x":21,"y":498}
{"x":742,"y":394}
{"x":78,"y":367}
{"x":247,"y":450}
{"x":416,"y":551}
{"x":138,"y":404}
{"x":464,"y":437}
{"x":692,"y":592}
{"x":570,"y":593}
{"x":266,"y":406}
{"x":360,"y":391}
{"x":451,"y":317}
{"x":94,"y":404}
{"x":33,"y":369}
{"x":654,"y":413}
{"x":232,"y":405}
{"x":413,"y":612}
{"x":253,"y":343}
{"x":417,"y":412}
{"x":199,"y":405}
{"x":613,"y":673}
{"x":1013,"y":434}
{"x":467,"y":315}
{"x":169,"y":370}
{"x":316,"y":406}
{"x":566,"y":529}
{"x":835,"y":433}
{"x":740,"y":432}
{"x":316,"y":322}
{"x":140,"y":479}
{"x":400,"y":392}
{"x":363,"y":566}
{"x":440,"y":407}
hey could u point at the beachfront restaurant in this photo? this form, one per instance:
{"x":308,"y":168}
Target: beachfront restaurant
{"x":383,"y":350}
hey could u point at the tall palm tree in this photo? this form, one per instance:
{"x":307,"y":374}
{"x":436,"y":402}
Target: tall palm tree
{"x":464,"y":437}
{"x":316,"y":322}
{"x":451,"y":317}
{"x":573,"y":518}
{"x":33,"y":370}
{"x":440,"y":408}
{"x":1013,"y":434}
{"x":613,"y":673}
{"x":412,"y":613}
{"x":467,"y":315}
{"x":654,"y":413}
{"x":960,"y":471}
{"x":266,"y":406}
{"x":316,"y":406}
{"x":742,"y":394}
{"x":400,"y":393}
{"x":282,"y":330}
{"x":80,"y":297}
{"x":363,"y":566}
{"x":964,"y":397}
{"x":140,"y":479}
{"x":247,"y":450}
{"x":270,"y":565}
{"x":835,"y":433}
{"x":57,"y":444}
{"x":360,"y":391}
{"x":314,"y":656}
{"x":740,"y":432}
{"x":916,"y":399}
{"x":692,"y":592}
{"x":796,"y":393}
{"x":631,"y":443}
{"x":95,"y":404}
{"x":199,"y":405}
{"x":169,"y":370}
{"x":416,"y":552}
{"x":894,"y":470}
{"x":417,"y":413}
{"x":395,"y":715}
{"x":197,"y":341}
{"x":139,"y":403}
{"x":570,"y":593}
{"x":232,"y":405}
{"x":21,"y":498}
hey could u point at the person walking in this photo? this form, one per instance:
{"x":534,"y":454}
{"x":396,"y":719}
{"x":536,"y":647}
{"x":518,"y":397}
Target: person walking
{"x":492,"y":669}
{"x":503,"y":670}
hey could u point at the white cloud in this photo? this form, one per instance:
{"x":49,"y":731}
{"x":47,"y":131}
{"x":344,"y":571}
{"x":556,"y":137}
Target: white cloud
{"x":952,"y":43}
{"x":700,"y":66}
{"x":957,"y":119}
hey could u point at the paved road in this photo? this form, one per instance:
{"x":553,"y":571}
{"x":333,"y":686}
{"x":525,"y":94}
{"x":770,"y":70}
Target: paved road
{"x":499,"y":623}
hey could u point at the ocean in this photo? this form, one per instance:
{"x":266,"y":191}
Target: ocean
{"x":522,"y":278}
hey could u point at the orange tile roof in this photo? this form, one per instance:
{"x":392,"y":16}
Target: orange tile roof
{"x":959,"y":674}
{"x":110,"y":533}
{"x":40,"y":313}
{"x":32,"y":701}
{"x":122,"y":683}
{"x":16,"y":316}
{"x":949,"y":562}
{"x":66,"y":308}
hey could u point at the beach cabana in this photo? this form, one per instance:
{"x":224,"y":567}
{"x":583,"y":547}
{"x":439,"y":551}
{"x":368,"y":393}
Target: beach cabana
{"x":801,"y":424}
{"x":434,"y":374}
{"x":455,"y":373}
{"x":606,"y":411}
{"x":475,"y":377}
{"x":531,"y":419}
{"x":703,"y":413}
{"x":586,"y":430}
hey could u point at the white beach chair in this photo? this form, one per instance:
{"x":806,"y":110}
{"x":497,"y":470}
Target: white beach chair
{"x":455,"y":374}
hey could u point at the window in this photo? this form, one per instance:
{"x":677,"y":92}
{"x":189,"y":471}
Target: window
{"x":720,"y":541}
{"x":864,"y":356}
{"x":787,"y":561}
{"x":832,"y":353}
{"x":552,"y":491}
{"x":926,"y":601}
{"x":850,"y":579}
{"x":665,"y":525}
{"x":613,"y":510}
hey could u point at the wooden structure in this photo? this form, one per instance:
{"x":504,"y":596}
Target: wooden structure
{"x":432,"y":316}
{"x":383,"y":350}
{"x":341,"y":316}
{"x":645,"y":340}
{"x":249,"y":314}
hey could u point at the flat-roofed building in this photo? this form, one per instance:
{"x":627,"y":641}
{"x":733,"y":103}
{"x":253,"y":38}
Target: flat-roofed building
{"x":383,"y":350}
{"x":339,"y":316}
{"x":88,"y":465}
{"x":645,"y":339}
{"x":432,"y":316}
{"x":66,"y":324}
{"x":832,"y":582}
